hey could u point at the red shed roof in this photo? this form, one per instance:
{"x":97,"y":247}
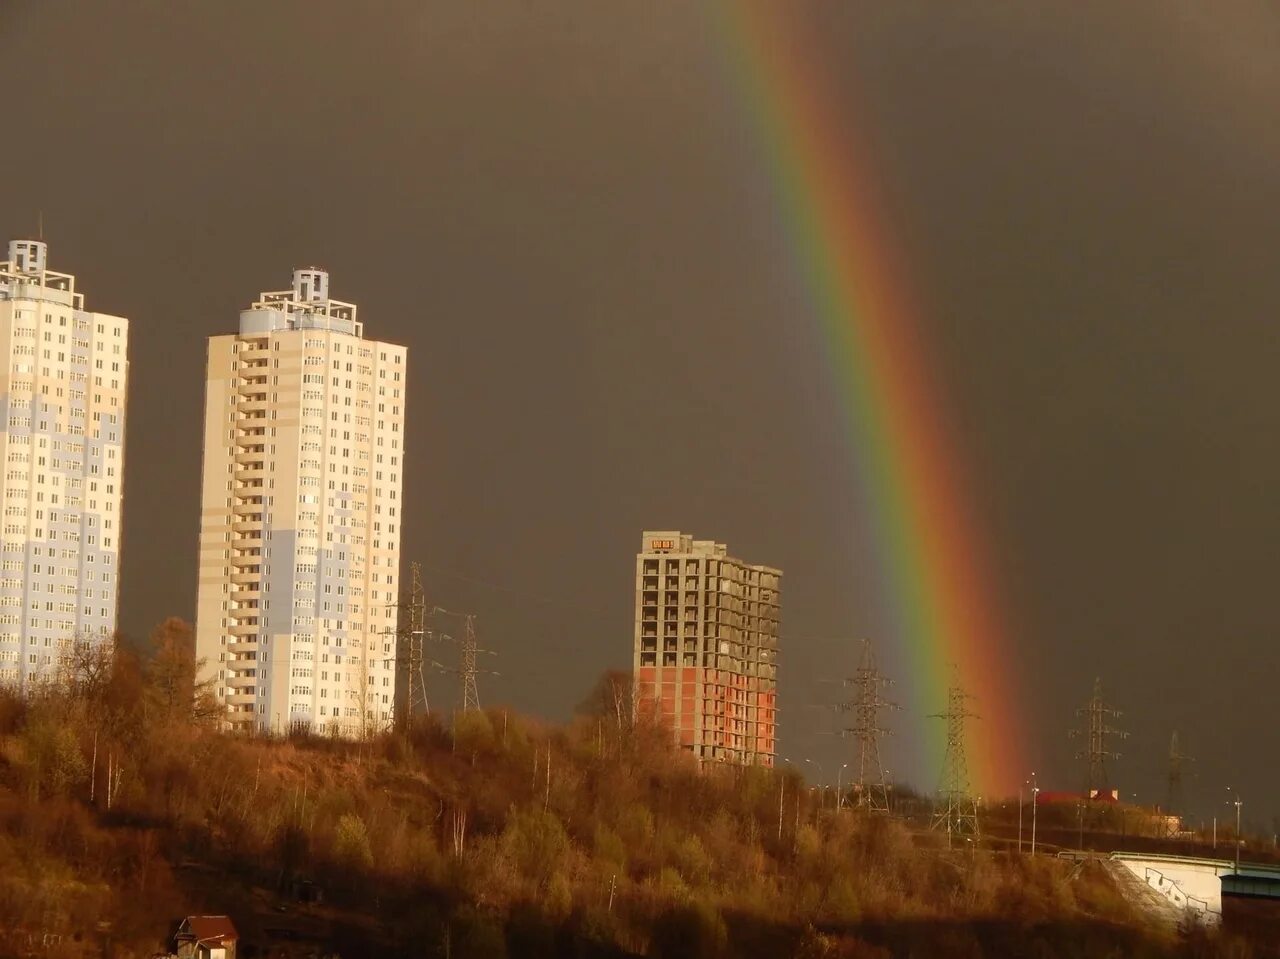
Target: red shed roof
{"x":209,"y":928}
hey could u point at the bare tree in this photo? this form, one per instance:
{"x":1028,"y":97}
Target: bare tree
{"x":85,"y":668}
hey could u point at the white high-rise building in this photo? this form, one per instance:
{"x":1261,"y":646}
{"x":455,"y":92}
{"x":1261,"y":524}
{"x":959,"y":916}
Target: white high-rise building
{"x":300,"y":516}
{"x":62,"y":386}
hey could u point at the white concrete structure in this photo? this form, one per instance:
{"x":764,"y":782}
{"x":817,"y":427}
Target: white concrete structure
{"x":64,"y":374}
{"x":300,"y":515}
{"x":1189,"y":884}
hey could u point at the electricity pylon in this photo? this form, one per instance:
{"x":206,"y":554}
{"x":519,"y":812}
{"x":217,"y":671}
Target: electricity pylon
{"x":1096,"y":732}
{"x":468,"y":649}
{"x":414,"y":656}
{"x":866,"y":706}
{"x":410,"y":658}
{"x":470,"y":694}
{"x":958,"y":811}
{"x":1173,"y":799}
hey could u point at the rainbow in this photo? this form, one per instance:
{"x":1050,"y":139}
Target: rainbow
{"x":934,"y":572}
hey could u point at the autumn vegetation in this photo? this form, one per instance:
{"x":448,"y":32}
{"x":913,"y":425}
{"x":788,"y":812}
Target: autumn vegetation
{"x":124,"y":808}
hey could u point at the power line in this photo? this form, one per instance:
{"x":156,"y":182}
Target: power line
{"x":530,"y":597}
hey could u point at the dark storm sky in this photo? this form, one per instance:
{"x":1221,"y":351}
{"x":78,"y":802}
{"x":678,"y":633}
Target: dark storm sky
{"x":562,"y":210}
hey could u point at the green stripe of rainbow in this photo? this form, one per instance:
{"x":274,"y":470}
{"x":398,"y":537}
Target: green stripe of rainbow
{"x":933,"y":560}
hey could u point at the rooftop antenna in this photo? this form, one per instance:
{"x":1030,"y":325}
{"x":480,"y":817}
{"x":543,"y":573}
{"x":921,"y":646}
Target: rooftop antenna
{"x":40,"y":226}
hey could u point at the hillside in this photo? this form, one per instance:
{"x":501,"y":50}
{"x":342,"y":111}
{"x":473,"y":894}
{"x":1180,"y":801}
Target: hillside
{"x":122,"y":810}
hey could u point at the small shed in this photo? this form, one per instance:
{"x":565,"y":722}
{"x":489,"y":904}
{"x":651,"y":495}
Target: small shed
{"x":206,"y":937}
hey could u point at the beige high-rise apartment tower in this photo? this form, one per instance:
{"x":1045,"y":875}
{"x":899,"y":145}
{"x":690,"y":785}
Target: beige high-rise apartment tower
{"x":62,"y":385}
{"x":706,"y":647}
{"x":300,"y":516}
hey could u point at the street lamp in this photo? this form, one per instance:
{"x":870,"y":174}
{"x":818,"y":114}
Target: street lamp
{"x":816,"y":765}
{"x":1236,"y":802}
{"x":1020,"y":785}
{"x":1035,"y":801}
{"x":782,"y":792}
{"x":840,"y":786}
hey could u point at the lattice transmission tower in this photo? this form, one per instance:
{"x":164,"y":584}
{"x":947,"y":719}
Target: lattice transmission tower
{"x":414,"y":636}
{"x":1177,"y":759}
{"x":1097,"y":732}
{"x":469,"y":651}
{"x":866,"y":706}
{"x":411,"y":639}
{"x":958,"y":810}
{"x":470,"y":692}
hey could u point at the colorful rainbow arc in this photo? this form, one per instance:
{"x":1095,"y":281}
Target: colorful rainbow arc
{"x":933,"y":560}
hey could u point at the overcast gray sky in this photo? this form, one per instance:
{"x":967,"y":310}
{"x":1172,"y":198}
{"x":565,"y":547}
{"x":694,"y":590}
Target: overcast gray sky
{"x":562,"y":210}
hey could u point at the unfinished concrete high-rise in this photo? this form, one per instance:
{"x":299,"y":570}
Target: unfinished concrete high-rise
{"x":706,"y":646}
{"x":300,"y":515}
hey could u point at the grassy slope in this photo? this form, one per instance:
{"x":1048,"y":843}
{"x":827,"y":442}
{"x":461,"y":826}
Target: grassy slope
{"x":506,"y":838}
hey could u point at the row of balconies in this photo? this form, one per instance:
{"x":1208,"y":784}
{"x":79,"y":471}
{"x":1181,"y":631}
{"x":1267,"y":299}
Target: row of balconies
{"x":649,"y":614}
{"x":691,"y":583}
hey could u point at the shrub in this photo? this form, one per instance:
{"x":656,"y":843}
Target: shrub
{"x":536,"y":842}
{"x":351,"y":842}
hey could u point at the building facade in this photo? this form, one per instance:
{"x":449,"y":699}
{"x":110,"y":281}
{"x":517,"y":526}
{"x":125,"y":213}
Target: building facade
{"x":300,"y":516}
{"x":63,"y":385}
{"x":706,"y":646}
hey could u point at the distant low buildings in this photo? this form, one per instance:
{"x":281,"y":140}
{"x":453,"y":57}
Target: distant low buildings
{"x":63,"y":384}
{"x":706,"y":645}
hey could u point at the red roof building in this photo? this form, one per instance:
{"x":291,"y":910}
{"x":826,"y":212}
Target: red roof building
{"x":206,"y":937}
